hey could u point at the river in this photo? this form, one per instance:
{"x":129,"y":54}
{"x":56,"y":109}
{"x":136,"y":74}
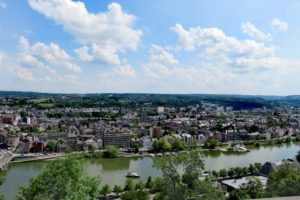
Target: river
{"x":113,"y":171}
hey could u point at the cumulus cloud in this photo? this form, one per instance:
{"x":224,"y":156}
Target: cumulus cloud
{"x":255,"y":33}
{"x":43,"y":55}
{"x":215,"y":47}
{"x":107,"y":32}
{"x":22,"y":73}
{"x":280,"y":25}
{"x":159,"y":62}
{"x":125,"y":70}
{"x":105,"y":55}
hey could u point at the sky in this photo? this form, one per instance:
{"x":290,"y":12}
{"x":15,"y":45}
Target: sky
{"x":150,"y":46}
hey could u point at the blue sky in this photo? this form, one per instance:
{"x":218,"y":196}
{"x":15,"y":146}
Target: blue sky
{"x":153,"y":46}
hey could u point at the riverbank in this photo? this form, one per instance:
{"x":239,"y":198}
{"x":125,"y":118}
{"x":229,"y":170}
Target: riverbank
{"x":113,"y":171}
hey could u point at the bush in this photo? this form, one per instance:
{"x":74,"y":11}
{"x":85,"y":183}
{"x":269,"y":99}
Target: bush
{"x":110,"y":152}
{"x":210,"y":144}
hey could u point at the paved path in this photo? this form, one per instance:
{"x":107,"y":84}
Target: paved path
{"x":5,"y":158}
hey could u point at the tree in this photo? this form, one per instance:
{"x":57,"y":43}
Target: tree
{"x":110,"y":152}
{"x":105,"y":190}
{"x":128,"y":185}
{"x":2,"y":179}
{"x":210,"y":144}
{"x":254,"y":188}
{"x":298,"y":156}
{"x":161,"y":145}
{"x":149,"y":183}
{"x":215,"y":173}
{"x":285,"y":181}
{"x":158,"y":185}
{"x":231,"y":172}
{"x":223,"y":173}
{"x":117,"y":189}
{"x":23,"y":113}
{"x":178,"y":145}
{"x":135,"y":195}
{"x":92,"y":149}
{"x":251,"y":168}
{"x":239,"y":194}
{"x":62,"y":179}
{"x":139,"y":186}
{"x":51,"y":145}
{"x":180,"y":186}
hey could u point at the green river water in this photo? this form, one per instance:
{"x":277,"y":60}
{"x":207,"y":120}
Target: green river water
{"x":113,"y":171}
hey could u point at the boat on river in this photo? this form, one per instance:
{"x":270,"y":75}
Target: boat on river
{"x":132,"y":175}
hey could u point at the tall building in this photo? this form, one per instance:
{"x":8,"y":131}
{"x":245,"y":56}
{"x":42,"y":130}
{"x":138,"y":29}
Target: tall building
{"x":120,"y":140}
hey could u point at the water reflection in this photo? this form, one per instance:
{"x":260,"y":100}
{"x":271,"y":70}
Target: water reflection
{"x":113,"y":171}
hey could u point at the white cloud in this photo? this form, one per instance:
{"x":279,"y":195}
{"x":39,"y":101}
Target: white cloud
{"x":83,"y":54}
{"x":255,"y":33}
{"x":214,"y":47}
{"x":43,"y":55}
{"x":107,"y":32}
{"x":280,"y":25}
{"x":159,"y":62}
{"x":22,"y":73}
{"x":105,"y":55}
{"x":125,"y":70}
{"x":159,"y":54}
{"x":1,"y":57}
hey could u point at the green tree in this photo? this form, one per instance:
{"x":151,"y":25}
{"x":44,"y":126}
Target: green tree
{"x":23,"y":113}
{"x":298,"y":156}
{"x":111,"y":152}
{"x":215,"y":173}
{"x":2,"y":179}
{"x":62,"y":179}
{"x":149,"y":183}
{"x":285,"y":181}
{"x":51,"y":146}
{"x":128,"y":185}
{"x":239,"y":194}
{"x":117,"y":189}
{"x":105,"y":190}
{"x":161,"y":145}
{"x":254,"y":188}
{"x":178,"y":145}
{"x":210,"y":144}
{"x":159,"y":184}
{"x":180,"y":186}
{"x":223,"y":173}
{"x":135,"y":195}
{"x":139,"y":186}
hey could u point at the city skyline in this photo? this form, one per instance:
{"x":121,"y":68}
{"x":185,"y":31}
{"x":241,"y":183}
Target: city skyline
{"x":232,"y":47}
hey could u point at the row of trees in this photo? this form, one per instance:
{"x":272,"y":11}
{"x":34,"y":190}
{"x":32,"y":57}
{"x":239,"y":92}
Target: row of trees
{"x":163,"y":145}
{"x":237,"y":171}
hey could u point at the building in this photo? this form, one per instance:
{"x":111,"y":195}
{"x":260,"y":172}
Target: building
{"x":155,"y":132}
{"x":72,"y":141}
{"x":160,"y":109}
{"x":120,"y":140}
{"x":232,"y":184}
{"x":269,"y":167}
